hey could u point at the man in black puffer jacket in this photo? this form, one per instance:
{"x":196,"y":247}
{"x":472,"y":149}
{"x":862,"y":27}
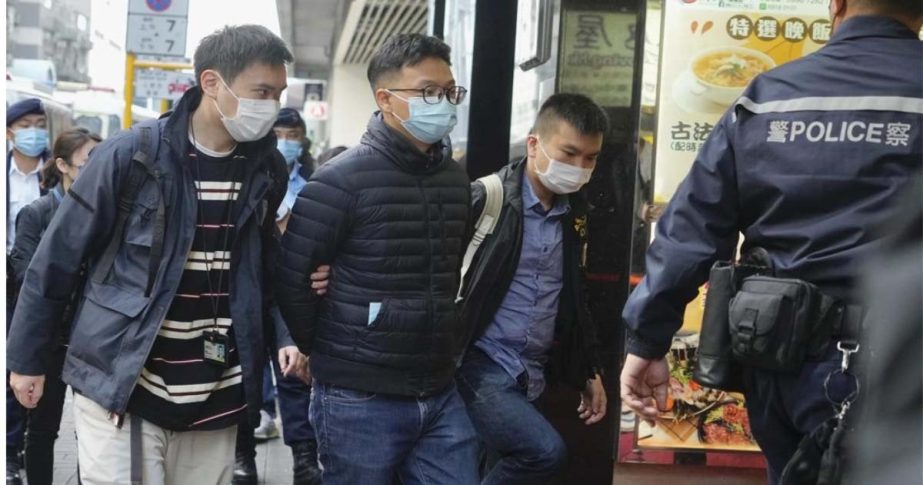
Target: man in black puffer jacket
{"x":390,"y":216}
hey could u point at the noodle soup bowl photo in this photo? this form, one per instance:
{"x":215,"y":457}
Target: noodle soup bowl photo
{"x":722,"y":73}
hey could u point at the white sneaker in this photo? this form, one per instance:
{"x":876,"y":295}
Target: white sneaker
{"x":267,"y":429}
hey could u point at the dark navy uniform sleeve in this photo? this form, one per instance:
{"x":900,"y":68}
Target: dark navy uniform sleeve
{"x":698,"y":227}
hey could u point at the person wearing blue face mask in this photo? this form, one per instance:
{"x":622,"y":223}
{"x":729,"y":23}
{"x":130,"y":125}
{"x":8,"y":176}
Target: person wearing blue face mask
{"x":26,"y":130}
{"x":27,"y":134}
{"x":295,"y":147}
{"x":71,"y":152}
{"x":390,"y":217}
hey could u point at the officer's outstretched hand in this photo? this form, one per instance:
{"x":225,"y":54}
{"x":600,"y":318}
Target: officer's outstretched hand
{"x":645,"y":386}
{"x":28,"y":389}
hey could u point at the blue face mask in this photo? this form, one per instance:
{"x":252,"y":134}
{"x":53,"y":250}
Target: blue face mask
{"x":429,"y":123}
{"x":290,"y":149}
{"x":31,"y":142}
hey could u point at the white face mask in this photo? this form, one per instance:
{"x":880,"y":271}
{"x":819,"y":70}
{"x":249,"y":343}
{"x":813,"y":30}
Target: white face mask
{"x":254,"y":118}
{"x":562,"y":178}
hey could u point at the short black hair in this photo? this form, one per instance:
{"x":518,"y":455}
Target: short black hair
{"x":405,"y":50}
{"x":579,"y":111}
{"x":289,"y":118}
{"x":232,"y":49}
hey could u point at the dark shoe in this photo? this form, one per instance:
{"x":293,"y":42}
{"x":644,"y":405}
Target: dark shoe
{"x":13,"y":465}
{"x":304,"y":458}
{"x":244,"y":471}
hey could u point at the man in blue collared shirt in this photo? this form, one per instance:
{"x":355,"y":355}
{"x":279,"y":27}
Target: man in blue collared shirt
{"x":296,"y":148}
{"x":522,"y":331}
{"x":27,"y":133}
{"x":523,"y":296}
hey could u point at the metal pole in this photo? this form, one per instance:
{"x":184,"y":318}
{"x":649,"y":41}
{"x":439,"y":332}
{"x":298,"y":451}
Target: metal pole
{"x":129,"y":89}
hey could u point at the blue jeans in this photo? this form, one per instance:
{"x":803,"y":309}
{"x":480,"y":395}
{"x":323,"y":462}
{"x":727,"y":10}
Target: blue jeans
{"x":531,"y":450}
{"x":784,"y":407}
{"x":269,"y":389}
{"x":372,"y":438}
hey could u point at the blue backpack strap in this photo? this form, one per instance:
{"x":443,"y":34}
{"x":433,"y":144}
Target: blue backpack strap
{"x":147,"y":141}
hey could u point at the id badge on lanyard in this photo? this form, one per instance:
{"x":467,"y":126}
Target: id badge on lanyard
{"x":215,"y":348}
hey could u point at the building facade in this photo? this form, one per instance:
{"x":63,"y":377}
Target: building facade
{"x":51,"y":30}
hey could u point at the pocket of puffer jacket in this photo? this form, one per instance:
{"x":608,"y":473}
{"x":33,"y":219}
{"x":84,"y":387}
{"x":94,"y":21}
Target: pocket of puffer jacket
{"x":402,"y":326}
{"x":397,"y":315}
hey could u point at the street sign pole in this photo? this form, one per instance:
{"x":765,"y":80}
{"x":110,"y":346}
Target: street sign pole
{"x":154,"y":28}
{"x":129,"y":89}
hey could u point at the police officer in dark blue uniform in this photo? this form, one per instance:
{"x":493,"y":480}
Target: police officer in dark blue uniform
{"x":805,"y":164}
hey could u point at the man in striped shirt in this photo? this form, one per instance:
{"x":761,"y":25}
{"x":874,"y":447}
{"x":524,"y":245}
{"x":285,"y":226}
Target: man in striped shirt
{"x":168,"y":345}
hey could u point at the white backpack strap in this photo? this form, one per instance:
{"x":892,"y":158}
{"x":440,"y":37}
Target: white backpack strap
{"x":487,"y":221}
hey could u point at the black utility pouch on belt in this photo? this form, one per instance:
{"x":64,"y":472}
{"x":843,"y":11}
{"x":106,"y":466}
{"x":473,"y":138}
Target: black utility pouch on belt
{"x":715,"y":366}
{"x":772,"y":321}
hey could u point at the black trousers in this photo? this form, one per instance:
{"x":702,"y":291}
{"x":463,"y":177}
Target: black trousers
{"x":43,"y":424}
{"x":784,"y":407}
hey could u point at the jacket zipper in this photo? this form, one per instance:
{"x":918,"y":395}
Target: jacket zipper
{"x":442,"y":230}
{"x":429,"y":259}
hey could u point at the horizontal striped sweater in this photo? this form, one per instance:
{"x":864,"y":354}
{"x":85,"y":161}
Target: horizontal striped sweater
{"x":178,"y":390}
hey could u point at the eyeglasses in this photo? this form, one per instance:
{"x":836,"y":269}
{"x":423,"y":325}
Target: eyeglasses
{"x":433,"y":94}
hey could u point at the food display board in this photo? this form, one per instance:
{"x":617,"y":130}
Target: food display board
{"x":709,"y":52}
